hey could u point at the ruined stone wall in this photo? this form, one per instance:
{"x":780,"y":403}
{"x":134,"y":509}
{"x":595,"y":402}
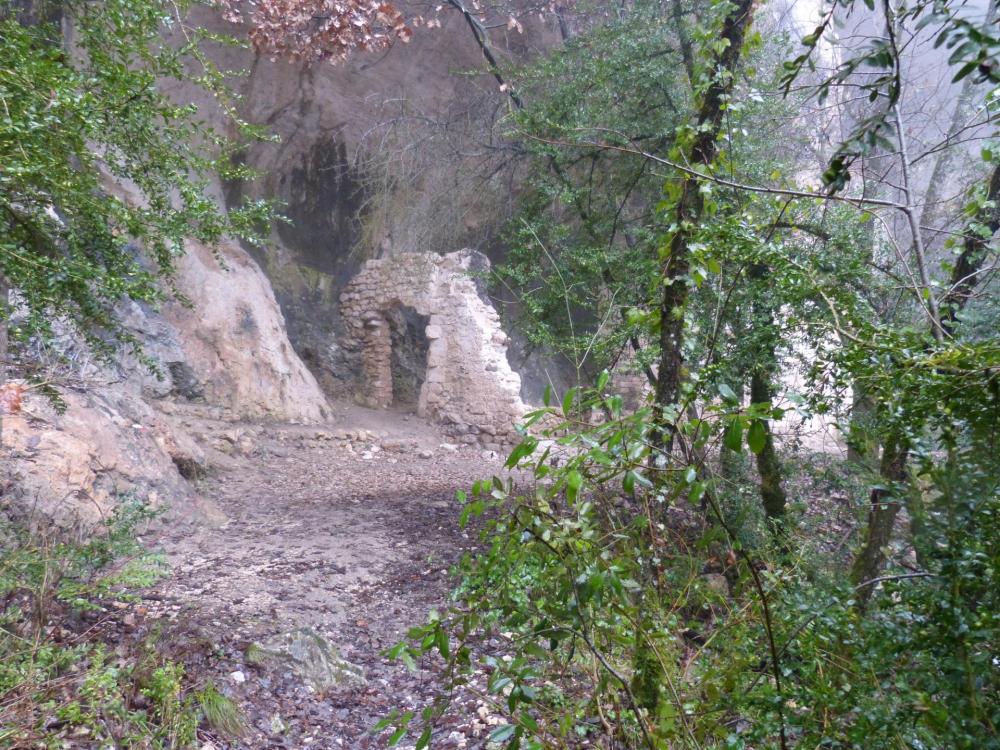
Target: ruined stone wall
{"x":469,"y":386}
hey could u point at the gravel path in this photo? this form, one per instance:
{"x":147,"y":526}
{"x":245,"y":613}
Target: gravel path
{"x":326,"y":532}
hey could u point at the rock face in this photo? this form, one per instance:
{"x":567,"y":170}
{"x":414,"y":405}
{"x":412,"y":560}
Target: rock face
{"x":73,"y":468}
{"x":237,"y":352}
{"x":377,"y":156}
{"x":229,"y":349}
{"x":348,"y":174}
{"x":468,"y":382}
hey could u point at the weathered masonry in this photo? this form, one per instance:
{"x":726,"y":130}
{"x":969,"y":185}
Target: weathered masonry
{"x":429,"y":343}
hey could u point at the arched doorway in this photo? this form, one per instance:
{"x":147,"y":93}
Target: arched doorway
{"x":408,"y":355}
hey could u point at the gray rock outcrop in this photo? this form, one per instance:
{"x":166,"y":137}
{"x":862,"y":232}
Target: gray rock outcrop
{"x":309,"y":656}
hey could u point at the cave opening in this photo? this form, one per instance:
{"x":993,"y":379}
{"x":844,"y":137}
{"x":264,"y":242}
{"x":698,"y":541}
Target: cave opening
{"x":408,"y":362}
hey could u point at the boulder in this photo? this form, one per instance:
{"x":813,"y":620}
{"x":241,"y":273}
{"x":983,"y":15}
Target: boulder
{"x":309,"y":656}
{"x":236,"y":349}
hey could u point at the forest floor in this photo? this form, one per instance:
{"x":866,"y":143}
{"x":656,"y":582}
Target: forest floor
{"x":326,"y":532}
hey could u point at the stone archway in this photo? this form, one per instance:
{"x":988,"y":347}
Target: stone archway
{"x":468,"y":383}
{"x":408,"y":358}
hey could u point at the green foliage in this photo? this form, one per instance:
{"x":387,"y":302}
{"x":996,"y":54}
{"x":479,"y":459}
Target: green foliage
{"x":38,"y":573}
{"x":221,"y":713}
{"x":77,"y":114}
{"x":605,"y":569}
{"x":630,"y":592}
{"x":583,"y":245}
{"x":968,"y":33}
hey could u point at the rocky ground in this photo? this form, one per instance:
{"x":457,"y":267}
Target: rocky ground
{"x":345,"y":533}
{"x":322,"y":547}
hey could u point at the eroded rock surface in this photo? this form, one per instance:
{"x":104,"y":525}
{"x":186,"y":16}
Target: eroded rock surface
{"x":228,"y":349}
{"x":76,"y":466}
{"x":234,"y":340}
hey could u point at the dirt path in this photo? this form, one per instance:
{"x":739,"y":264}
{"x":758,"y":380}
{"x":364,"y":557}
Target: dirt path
{"x":325,"y":533}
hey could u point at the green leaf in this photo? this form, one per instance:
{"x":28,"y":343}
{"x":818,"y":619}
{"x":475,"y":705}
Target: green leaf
{"x":384,"y":722}
{"x":500,"y":683}
{"x":628,"y":481}
{"x":727,"y":393}
{"x":502,"y":733}
{"x":574,"y":481}
{"x":442,"y":643}
{"x":567,"y":403}
{"x":757,"y":436}
{"x":425,"y":738}
{"x":697,"y":492}
{"x":525,"y":448}
{"x":732,"y":438}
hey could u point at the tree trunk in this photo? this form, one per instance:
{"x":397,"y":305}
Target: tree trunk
{"x":862,"y":444}
{"x":690,"y":208}
{"x":648,"y":671}
{"x":772,"y":494}
{"x":975,"y":248}
{"x":884,"y":506}
{"x":964,"y":279}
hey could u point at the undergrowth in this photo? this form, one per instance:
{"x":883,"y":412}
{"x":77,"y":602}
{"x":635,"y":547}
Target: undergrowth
{"x":621,"y":603}
{"x":65,"y":679}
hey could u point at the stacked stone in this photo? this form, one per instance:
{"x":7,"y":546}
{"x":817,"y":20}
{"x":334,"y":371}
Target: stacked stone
{"x":469,"y":385}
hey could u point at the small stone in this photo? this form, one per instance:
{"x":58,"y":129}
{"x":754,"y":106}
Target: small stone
{"x":238,"y":677}
{"x":717,"y":583}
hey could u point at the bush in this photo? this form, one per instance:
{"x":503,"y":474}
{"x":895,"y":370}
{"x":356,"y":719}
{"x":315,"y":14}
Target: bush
{"x":620,"y":604}
{"x":60,"y":684}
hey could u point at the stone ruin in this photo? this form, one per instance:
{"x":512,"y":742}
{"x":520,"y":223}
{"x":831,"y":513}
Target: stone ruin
{"x":430,"y":342}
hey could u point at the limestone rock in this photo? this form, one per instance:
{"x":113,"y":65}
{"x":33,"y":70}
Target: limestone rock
{"x":309,"y":656}
{"x":229,"y":347}
{"x":234,"y":340}
{"x":74,"y":467}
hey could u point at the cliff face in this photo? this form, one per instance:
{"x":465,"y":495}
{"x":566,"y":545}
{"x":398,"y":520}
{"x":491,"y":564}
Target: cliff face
{"x":116,"y":438}
{"x":384,"y":155}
